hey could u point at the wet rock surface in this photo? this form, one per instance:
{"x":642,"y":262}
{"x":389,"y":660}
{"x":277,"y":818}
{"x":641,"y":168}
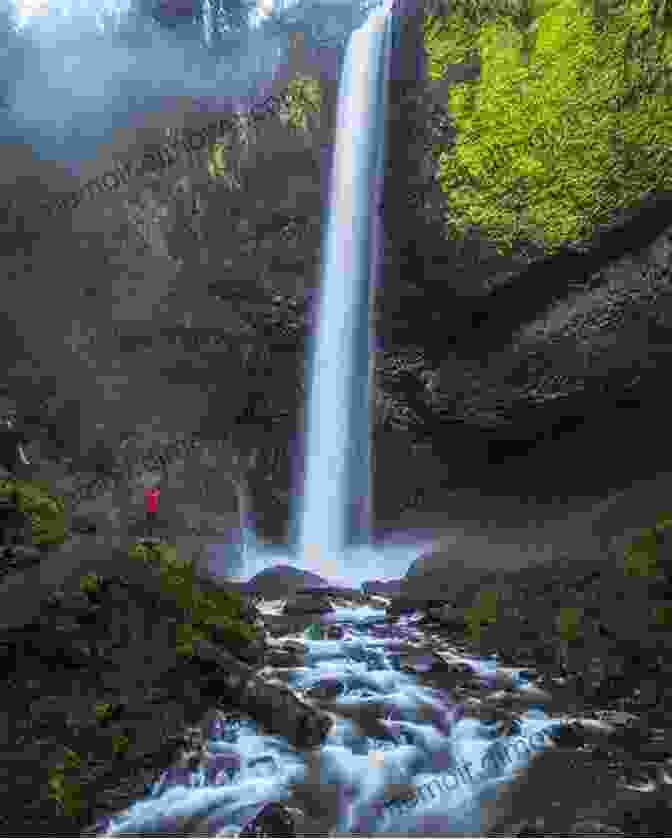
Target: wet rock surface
{"x":599,"y":769}
{"x":307,"y":603}
{"x":97,"y":672}
{"x":315,"y":681}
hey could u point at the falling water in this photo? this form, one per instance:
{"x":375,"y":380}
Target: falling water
{"x":423,"y":739}
{"x":337,"y":490}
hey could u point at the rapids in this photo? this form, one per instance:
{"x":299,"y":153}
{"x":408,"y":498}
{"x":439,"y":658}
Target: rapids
{"x":402,"y":757}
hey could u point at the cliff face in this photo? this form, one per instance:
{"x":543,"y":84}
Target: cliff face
{"x":513,"y":367}
{"x":533,"y":370}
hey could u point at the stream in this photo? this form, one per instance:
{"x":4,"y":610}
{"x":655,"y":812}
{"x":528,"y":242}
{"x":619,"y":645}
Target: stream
{"x":403,"y":756}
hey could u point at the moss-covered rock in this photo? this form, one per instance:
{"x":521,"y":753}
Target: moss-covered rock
{"x":46,"y":511}
{"x":218,"y":615}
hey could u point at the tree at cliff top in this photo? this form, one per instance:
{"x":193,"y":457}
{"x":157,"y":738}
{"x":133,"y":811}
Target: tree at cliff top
{"x":570,"y":120}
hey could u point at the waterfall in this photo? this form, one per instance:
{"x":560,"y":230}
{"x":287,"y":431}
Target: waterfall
{"x":331,"y":529}
{"x":336,"y":504}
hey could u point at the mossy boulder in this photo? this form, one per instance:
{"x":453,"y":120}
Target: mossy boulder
{"x":46,"y":511}
{"x":216,"y":615}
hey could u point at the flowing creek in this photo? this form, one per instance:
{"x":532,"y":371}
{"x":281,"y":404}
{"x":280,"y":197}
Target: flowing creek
{"x":403,"y":756}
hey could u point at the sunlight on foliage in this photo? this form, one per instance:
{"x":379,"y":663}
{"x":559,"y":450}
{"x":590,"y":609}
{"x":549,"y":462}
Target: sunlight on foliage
{"x":547,"y":149}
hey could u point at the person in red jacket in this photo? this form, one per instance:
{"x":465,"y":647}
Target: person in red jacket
{"x":152,"y":493}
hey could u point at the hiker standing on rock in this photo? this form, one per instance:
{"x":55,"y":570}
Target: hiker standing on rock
{"x":152,"y":493}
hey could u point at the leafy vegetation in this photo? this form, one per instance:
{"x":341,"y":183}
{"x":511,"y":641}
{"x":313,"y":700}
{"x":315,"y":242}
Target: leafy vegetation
{"x":303,"y":97}
{"x":483,"y":612}
{"x":570,"y":119}
{"x":61,"y":788}
{"x":89,"y":583}
{"x":220,"y":609}
{"x":46,"y":511}
{"x":120,"y":744}
{"x":103,"y":712}
{"x":568,"y":623}
{"x":640,"y":557}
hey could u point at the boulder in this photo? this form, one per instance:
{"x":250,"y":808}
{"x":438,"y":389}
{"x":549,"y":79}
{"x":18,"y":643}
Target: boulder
{"x":448,"y":616}
{"x":281,"y":581}
{"x":308,"y":603}
{"x":387,"y":588}
{"x":274,"y":706}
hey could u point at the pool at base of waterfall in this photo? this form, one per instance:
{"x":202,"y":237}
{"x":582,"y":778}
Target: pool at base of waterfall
{"x":408,"y":747}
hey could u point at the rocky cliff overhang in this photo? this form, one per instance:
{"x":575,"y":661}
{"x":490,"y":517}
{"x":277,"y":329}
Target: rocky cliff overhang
{"x":520,"y":357}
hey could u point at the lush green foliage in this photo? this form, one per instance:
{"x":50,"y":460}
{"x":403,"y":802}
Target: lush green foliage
{"x":219,"y":609}
{"x":63,"y":790}
{"x":566,"y":123}
{"x":46,"y":511}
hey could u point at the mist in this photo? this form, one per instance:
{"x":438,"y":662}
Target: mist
{"x":73,"y":76}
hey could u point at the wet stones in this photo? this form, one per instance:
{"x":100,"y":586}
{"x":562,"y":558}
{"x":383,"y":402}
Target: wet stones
{"x":326,"y":690}
{"x":280,"y":657}
{"x":272,"y":705}
{"x":307,"y":603}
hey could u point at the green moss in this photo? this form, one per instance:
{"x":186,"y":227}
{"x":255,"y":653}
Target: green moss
{"x":566,"y":123}
{"x":662,"y":615}
{"x":103,"y":711}
{"x":640,"y":557}
{"x":303,"y":96}
{"x":219,"y":609}
{"x":62,"y":789}
{"x":482,"y":613}
{"x":120,"y":744}
{"x":568,"y":623}
{"x":89,"y":583}
{"x":46,"y":511}
{"x":67,"y":794}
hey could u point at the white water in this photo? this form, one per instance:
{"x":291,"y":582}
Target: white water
{"x":426,"y":740}
{"x":424,"y":737}
{"x":336,"y":488}
{"x":332,"y":515}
